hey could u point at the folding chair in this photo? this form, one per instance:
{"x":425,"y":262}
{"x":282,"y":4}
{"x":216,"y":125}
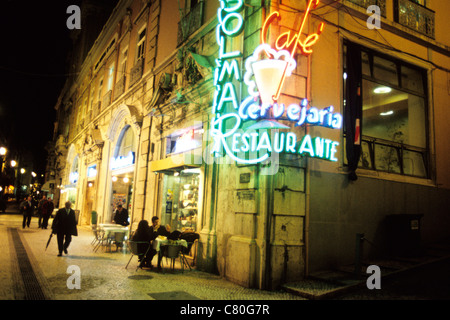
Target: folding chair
{"x":101,"y":239}
{"x":185,"y":251}
{"x":96,"y":233}
{"x":134,"y":249}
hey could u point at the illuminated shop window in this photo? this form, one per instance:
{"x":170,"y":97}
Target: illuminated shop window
{"x":394,"y":132}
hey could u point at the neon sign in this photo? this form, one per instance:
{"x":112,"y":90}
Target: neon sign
{"x":264,"y":78}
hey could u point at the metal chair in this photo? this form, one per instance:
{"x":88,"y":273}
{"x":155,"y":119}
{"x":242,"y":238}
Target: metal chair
{"x":173,"y":252}
{"x":96,"y":233}
{"x":117,"y":238}
{"x":136,"y":250}
{"x":101,"y":239}
{"x":186,"y":251}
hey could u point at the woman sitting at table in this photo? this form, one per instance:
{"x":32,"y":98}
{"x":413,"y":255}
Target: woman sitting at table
{"x":144,"y":234}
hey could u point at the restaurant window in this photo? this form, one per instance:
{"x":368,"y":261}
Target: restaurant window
{"x":180,"y":199}
{"x":71,"y":189}
{"x":393,"y":129}
{"x":122,"y":170}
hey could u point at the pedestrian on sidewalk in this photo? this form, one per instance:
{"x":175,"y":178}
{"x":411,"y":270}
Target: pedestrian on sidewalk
{"x":26,"y":207}
{"x":40,"y":210}
{"x":64,"y":226}
{"x":47,"y":210}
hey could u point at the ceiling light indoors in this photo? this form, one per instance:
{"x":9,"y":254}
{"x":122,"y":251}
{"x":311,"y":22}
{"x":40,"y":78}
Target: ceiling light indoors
{"x":388,"y":113}
{"x":382,"y":90}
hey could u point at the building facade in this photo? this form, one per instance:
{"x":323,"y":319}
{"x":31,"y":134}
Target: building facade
{"x":276,"y":130}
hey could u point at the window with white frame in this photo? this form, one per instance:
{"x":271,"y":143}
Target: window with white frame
{"x":141,"y":44}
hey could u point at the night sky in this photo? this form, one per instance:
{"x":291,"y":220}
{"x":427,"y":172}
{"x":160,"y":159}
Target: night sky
{"x":35,"y":44}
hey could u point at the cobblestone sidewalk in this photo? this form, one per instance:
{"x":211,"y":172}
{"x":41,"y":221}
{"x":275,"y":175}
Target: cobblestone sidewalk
{"x":103,"y":274}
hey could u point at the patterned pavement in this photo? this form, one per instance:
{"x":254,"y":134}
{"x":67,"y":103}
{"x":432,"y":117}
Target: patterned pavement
{"x":103,"y":275}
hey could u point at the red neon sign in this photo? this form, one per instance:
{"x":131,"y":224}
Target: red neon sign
{"x":288,"y":42}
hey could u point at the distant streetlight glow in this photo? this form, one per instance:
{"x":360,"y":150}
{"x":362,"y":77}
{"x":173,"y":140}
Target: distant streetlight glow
{"x":22,"y":171}
{"x":2,"y":151}
{"x":33,"y":174}
{"x":13,"y":163}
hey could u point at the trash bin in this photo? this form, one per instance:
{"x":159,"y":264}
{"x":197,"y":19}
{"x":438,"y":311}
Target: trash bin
{"x":404,"y":234}
{"x":94,"y":218}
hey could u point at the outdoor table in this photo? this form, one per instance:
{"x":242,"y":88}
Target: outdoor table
{"x":106,"y":225}
{"x":159,"y":241}
{"x":110,"y":230}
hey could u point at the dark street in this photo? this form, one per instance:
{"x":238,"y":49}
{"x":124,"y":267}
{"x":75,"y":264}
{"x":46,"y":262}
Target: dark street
{"x":429,"y":282}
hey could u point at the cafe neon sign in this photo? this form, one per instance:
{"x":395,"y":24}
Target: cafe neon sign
{"x":264,"y":79}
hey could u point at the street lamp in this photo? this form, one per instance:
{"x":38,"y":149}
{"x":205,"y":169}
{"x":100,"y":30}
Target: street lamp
{"x":2,"y":151}
{"x":13,"y":163}
{"x":22,"y":170}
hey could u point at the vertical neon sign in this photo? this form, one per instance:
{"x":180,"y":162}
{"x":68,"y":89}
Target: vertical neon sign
{"x":264,"y":78}
{"x":230,"y":26}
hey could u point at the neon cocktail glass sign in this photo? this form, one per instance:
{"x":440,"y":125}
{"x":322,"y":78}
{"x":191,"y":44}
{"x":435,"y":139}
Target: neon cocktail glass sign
{"x":264,"y":79}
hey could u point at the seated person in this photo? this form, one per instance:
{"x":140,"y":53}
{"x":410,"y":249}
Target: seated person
{"x":143,"y":234}
{"x":157,"y":230}
{"x":121,"y":216}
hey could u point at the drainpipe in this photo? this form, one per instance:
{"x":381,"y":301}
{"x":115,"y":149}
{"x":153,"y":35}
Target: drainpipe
{"x":307,"y":175}
{"x":267,"y":269}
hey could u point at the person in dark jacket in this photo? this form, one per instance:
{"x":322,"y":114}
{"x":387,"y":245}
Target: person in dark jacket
{"x":143,"y":234}
{"x":47,"y":209}
{"x":64,"y":226}
{"x":40,"y":210}
{"x":121,"y":216}
{"x":157,"y":230}
{"x":26,"y":207}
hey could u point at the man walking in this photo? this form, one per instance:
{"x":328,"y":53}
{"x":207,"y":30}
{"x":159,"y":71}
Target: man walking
{"x":27,"y":210}
{"x":64,"y":226}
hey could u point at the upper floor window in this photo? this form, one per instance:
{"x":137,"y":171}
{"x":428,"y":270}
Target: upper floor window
{"x":394,"y":124}
{"x":110,"y":77}
{"x":100,"y":88}
{"x":415,"y":15}
{"x":141,"y":44}
{"x":123,"y":62}
{"x":191,"y":19}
